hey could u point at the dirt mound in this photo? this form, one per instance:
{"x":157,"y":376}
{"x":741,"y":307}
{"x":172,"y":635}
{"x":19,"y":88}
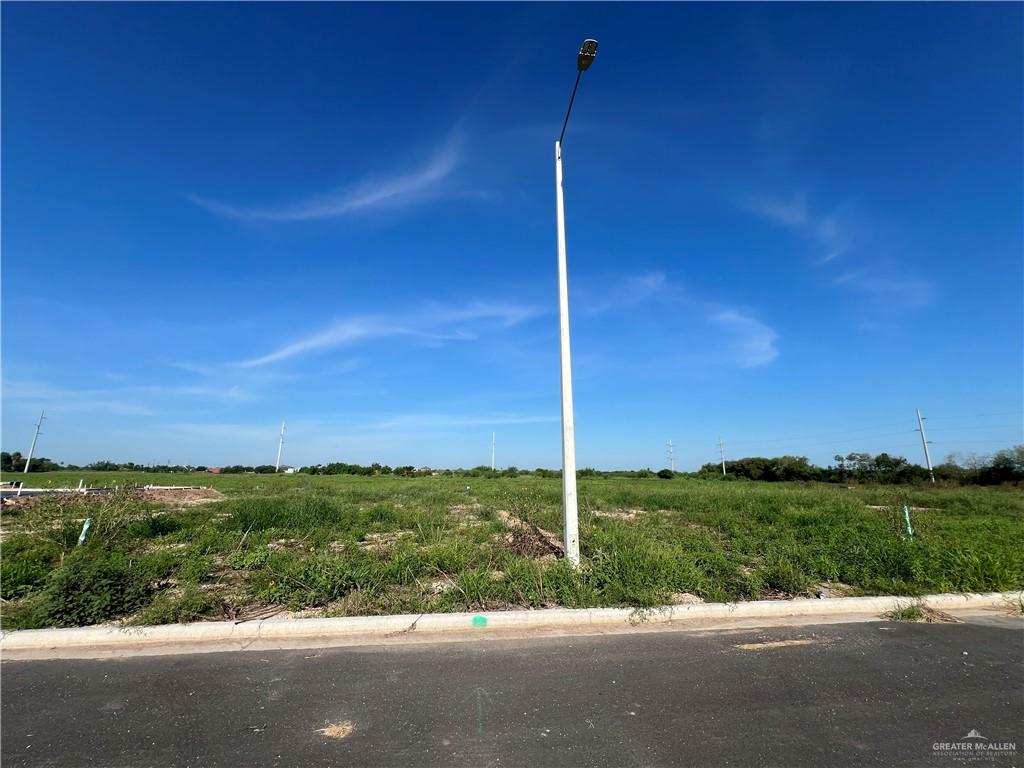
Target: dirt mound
{"x":525,"y":538}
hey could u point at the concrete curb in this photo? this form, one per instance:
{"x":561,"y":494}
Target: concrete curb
{"x":446,"y":624}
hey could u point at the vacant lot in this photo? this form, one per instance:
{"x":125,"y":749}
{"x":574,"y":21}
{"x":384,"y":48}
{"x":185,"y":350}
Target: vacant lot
{"x":345,"y":545}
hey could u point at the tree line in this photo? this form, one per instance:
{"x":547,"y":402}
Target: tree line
{"x":1005,"y":466}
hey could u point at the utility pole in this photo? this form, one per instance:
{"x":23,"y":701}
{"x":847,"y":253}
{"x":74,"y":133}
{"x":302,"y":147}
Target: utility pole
{"x":924,"y":442}
{"x":280,"y":447}
{"x":671,"y":458}
{"x":31,"y":450}
{"x":721,"y":452}
{"x":492,"y":451}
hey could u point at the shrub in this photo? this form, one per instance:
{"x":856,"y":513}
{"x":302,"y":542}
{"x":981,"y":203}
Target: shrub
{"x":92,"y":586}
{"x":25,"y":565}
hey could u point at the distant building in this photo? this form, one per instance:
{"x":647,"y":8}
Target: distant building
{"x":291,"y":470}
{"x":214,"y":470}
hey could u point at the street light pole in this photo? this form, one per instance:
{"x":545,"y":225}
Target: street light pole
{"x":569,"y":508}
{"x":569,"y":504}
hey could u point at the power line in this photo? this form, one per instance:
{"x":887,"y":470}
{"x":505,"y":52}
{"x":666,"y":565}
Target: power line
{"x":857,"y":431}
{"x":976,"y":416}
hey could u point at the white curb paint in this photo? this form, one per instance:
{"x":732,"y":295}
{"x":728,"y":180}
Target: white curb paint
{"x":468,"y":624}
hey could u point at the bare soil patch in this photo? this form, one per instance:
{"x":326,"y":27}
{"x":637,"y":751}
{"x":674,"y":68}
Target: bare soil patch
{"x":378,"y":542}
{"x":466,"y":515}
{"x":773,"y":644}
{"x":185,"y":497}
{"x":685,"y":598}
{"x":25,"y":502}
{"x":620,"y":514}
{"x":828,"y":589}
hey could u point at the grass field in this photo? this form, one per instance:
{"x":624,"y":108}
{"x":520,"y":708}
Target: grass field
{"x":343,"y":545}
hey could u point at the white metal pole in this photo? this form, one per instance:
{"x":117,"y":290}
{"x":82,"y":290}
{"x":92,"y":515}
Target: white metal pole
{"x":280,"y":447}
{"x":721,"y":451}
{"x":492,"y":451}
{"x":671,"y":457}
{"x":35,"y":437}
{"x":924,"y":442}
{"x":570,"y":514}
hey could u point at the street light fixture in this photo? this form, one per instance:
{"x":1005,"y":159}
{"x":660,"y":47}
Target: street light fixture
{"x":588,"y":51}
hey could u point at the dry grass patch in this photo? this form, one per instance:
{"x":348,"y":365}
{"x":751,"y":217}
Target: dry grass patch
{"x":378,"y":542}
{"x":340,"y":730}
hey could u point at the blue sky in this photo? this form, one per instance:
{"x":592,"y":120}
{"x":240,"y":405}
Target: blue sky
{"x":788,"y":225}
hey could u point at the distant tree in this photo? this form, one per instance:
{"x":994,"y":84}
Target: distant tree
{"x":951,"y":472}
{"x":666,"y":474}
{"x":839,"y":470}
{"x":1007,"y":466}
{"x":341,"y":468}
{"x":102,"y":466}
{"x":969,"y":460}
{"x":789,"y":468}
{"x":15,"y":462}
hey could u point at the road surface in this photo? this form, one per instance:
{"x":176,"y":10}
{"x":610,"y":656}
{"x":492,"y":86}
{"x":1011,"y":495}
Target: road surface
{"x":857,"y":694}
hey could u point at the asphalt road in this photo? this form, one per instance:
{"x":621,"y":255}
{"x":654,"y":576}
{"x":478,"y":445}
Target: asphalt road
{"x":827,"y":695}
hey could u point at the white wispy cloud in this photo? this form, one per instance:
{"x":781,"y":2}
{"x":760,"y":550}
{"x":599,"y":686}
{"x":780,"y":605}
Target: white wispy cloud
{"x":788,"y":213}
{"x":372,"y":193}
{"x":623,"y":291}
{"x":435,"y":323}
{"x":890,"y":289}
{"x":749,"y":342}
{"x":734,"y":336}
{"x":829,"y":231}
{"x":128,"y":400}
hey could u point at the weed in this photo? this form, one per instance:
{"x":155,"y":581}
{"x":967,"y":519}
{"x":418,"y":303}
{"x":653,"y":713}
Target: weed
{"x":25,"y":565}
{"x":169,"y":607}
{"x":905,"y":612}
{"x":90,"y":587}
{"x":248,"y":559}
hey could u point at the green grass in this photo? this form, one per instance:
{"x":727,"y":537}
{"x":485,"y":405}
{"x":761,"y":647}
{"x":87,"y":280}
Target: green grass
{"x":343,"y":545}
{"x":906,"y":612}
